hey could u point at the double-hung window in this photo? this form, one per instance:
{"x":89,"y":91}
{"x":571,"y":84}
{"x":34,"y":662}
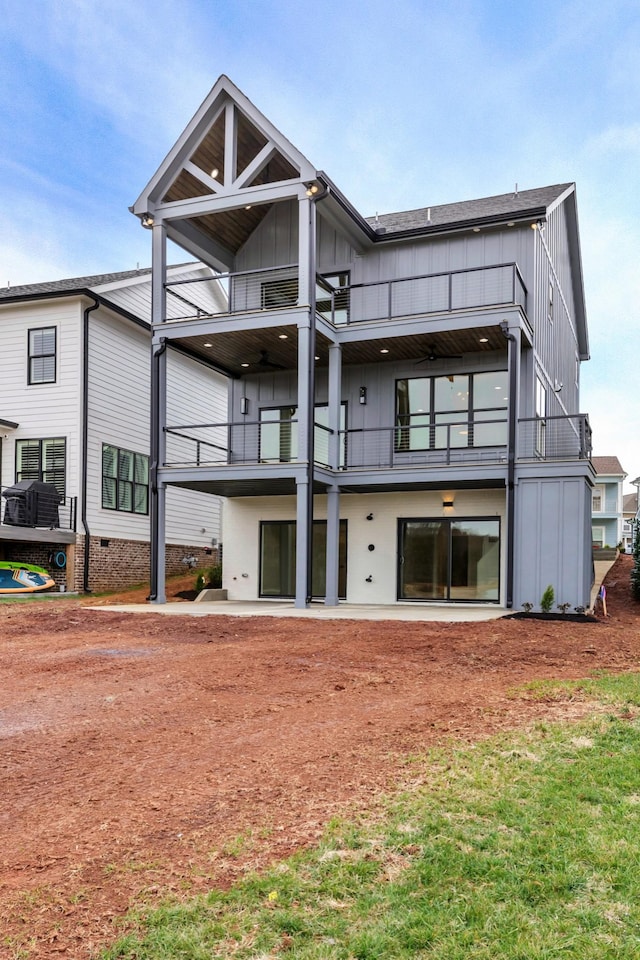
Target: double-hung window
{"x":43,"y":460}
{"x":125,"y":480}
{"x":42,"y":355}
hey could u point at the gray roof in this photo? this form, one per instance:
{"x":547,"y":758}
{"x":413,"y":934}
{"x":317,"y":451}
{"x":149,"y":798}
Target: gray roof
{"x":488,"y":209}
{"x":630,"y":502}
{"x":72,"y":285}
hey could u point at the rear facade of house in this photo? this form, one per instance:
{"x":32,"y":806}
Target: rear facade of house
{"x":404,"y":420}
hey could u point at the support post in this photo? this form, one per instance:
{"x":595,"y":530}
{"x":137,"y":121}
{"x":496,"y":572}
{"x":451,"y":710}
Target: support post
{"x":158,"y":399}
{"x":333,"y":547}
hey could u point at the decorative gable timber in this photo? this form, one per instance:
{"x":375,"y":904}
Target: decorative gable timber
{"x":228,"y":150}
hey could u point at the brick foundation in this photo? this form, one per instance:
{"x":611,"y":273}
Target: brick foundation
{"x":114,"y":563}
{"x":123,"y":563}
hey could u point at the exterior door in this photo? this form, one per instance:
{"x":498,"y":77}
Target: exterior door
{"x":449,"y":560}
{"x":278,"y":559}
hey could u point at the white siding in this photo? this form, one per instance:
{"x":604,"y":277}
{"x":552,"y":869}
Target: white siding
{"x":119,"y":378}
{"x":241,"y":535}
{"x":41,"y":410}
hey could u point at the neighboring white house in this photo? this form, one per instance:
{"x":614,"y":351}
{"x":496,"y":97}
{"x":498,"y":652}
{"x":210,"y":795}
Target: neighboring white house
{"x":607,"y":503}
{"x":74,"y":412}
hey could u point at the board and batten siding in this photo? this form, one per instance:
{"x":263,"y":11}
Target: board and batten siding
{"x":119,"y":384}
{"x":242,"y":516}
{"x":45,"y":409}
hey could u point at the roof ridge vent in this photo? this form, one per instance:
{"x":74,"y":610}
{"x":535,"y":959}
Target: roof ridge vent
{"x":515,"y":191}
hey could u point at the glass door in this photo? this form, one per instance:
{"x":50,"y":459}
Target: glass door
{"x":449,"y":560}
{"x":278,"y":559}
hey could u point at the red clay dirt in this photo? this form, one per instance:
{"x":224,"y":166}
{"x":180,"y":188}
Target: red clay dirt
{"x":145,"y":756}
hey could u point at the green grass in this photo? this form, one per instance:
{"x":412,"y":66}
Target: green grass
{"x":523,"y":847}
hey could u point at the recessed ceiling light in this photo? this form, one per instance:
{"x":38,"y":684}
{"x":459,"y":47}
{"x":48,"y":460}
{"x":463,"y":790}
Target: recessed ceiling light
{"x":215,"y":172}
{"x":317,"y":358}
{"x":283,"y":336}
{"x":244,"y":364}
{"x":248,"y":206}
{"x":207,"y":344}
{"x":483,"y":340}
{"x":476,"y":229}
{"x":384,"y":350}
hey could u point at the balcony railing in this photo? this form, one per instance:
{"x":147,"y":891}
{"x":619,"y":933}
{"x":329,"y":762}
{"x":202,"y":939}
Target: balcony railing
{"x":400,"y":446}
{"x":277,"y":288}
{"x":555,"y":438}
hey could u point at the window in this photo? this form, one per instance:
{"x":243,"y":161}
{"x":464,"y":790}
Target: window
{"x":43,"y":460}
{"x":279,"y":293}
{"x":125,"y":480}
{"x":279,"y":434}
{"x":435,"y":413}
{"x":42,"y":355}
{"x":332,"y":297}
{"x":597,"y":500}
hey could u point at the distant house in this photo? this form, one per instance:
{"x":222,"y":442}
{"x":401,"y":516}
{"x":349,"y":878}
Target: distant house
{"x":607,"y":503}
{"x":74,"y":413}
{"x":404,"y":389}
{"x":629,"y":514}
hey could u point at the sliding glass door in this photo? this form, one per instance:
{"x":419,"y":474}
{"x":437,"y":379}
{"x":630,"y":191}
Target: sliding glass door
{"x":449,"y":559}
{"x":278,"y":559}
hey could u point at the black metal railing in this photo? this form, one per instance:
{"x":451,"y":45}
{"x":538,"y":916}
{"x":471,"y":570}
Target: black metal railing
{"x":276,"y":288}
{"x":464,"y":442}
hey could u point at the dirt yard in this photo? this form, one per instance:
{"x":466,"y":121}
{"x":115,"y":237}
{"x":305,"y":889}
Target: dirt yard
{"x":143,"y":756}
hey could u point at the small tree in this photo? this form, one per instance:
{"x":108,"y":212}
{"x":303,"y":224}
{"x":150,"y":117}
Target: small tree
{"x":635,"y":571}
{"x":546,"y":603}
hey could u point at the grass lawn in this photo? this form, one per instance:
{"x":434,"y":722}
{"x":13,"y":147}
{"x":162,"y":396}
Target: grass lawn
{"x":524,"y":847}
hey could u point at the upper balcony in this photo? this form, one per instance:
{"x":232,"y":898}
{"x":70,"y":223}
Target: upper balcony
{"x":267,"y":300}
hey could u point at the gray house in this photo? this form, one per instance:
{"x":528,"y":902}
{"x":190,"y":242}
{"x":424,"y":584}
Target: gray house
{"x":404,"y":419}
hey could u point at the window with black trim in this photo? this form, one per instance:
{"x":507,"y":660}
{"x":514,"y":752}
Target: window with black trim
{"x":333,"y":297}
{"x":42,"y":355}
{"x":125,"y":480}
{"x":455,"y":410}
{"x":44,"y":459}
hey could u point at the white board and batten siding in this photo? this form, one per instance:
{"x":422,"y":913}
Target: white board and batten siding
{"x":42,"y":410}
{"x":119,"y":406}
{"x":243,"y":516}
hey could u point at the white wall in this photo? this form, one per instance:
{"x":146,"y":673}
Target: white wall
{"x":41,"y":410}
{"x":119,"y":378}
{"x":241,"y":535}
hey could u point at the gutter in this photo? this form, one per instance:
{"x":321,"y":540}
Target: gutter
{"x":85,"y":443}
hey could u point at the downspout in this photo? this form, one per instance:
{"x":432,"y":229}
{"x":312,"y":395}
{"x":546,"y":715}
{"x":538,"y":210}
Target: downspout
{"x":153,"y":466}
{"x":85,"y":444}
{"x":511,"y":460}
{"x":312,"y":394}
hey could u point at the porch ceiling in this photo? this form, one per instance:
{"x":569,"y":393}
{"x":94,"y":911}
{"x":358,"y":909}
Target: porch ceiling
{"x":273,"y":349}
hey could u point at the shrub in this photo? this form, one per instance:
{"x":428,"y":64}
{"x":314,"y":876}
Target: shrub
{"x":546,"y":603}
{"x":211,"y":578}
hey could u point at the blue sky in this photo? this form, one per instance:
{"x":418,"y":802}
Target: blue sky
{"x":404,"y":104}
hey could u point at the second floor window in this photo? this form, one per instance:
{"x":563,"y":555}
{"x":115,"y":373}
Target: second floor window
{"x":125,"y":480}
{"x":42,"y":355}
{"x":597,"y":500}
{"x":43,"y":460}
{"x":436,"y":413}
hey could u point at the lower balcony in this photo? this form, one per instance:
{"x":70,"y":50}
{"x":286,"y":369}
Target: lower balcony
{"x":404,"y":446}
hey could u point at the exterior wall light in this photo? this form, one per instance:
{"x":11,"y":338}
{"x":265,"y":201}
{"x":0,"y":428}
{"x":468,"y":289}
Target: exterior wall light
{"x":244,"y":405}
{"x":147,"y":221}
{"x":363,"y":396}
{"x":369,"y":516}
{"x":447,"y":503}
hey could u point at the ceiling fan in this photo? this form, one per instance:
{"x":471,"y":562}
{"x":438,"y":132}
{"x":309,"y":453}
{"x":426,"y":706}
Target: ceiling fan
{"x":430,"y":357}
{"x":265,"y":362}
